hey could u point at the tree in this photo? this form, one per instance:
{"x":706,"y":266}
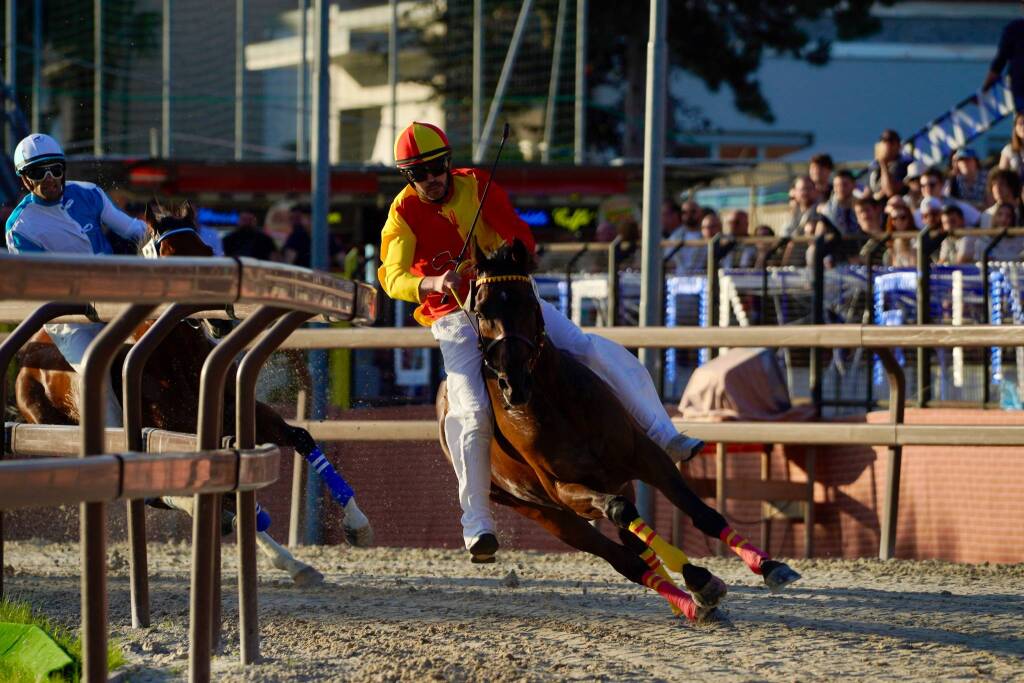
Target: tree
{"x":720,"y":41}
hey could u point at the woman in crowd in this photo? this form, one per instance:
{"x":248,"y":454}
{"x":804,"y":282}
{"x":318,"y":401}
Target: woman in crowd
{"x":1012,"y":156}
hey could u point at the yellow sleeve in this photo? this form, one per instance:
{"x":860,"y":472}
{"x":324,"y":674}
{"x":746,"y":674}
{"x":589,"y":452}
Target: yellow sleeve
{"x":397,"y":244}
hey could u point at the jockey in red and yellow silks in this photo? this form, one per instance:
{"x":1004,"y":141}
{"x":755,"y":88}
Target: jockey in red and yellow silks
{"x":424,"y":233}
{"x":417,"y":231}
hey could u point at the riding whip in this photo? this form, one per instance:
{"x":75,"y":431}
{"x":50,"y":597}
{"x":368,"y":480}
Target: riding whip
{"x":483,"y":197}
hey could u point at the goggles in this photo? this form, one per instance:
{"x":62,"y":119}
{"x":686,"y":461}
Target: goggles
{"x":420,"y":172}
{"x":37,"y":173}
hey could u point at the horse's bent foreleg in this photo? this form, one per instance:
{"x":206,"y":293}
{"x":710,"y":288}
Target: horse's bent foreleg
{"x":576,"y":532}
{"x":302,"y":574}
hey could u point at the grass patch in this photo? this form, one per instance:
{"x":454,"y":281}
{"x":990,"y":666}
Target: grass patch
{"x":21,"y":613}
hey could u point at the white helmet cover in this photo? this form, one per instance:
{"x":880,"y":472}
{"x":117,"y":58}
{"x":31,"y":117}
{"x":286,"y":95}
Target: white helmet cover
{"x":34,"y":149}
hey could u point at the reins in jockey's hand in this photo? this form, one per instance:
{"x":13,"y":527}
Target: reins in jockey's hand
{"x":459,"y":260}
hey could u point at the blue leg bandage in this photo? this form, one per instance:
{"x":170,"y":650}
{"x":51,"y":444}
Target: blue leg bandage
{"x":262,"y":518}
{"x":340,"y":490}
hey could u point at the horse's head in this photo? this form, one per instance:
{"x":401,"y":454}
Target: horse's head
{"x":510,"y":321}
{"x":173,"y":232}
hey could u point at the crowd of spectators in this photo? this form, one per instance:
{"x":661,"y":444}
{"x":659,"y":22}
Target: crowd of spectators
{"x":891,"y":202}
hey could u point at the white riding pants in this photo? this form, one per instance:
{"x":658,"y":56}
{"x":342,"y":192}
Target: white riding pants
{"x":72,"y":339}
{"x":468,"y":426}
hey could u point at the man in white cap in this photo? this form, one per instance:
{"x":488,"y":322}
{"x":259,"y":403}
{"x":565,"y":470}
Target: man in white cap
{"x":62,"y":216}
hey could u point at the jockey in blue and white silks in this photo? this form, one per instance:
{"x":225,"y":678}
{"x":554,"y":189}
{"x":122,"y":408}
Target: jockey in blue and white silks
{"x":67,"y":217}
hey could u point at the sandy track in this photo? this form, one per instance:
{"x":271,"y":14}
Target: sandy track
{"x":397,"y":614}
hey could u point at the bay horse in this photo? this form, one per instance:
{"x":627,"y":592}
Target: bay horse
{"x":565,"y":451}
{"x":170,"y":394}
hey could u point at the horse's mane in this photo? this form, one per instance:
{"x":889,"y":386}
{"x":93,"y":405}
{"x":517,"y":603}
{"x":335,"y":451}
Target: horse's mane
{"x":509,"y":259}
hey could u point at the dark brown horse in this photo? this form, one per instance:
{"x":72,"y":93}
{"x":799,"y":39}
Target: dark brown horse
{"x":565,"y":451}
{"x":170,"y":387}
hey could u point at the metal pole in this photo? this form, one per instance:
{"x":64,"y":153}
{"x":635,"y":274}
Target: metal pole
{"x":556,"y":70}
{"x":37,"y":64}
{"x":897,"y":403}
{"x":614,"y":254}
{"x":927,"y":243}
{"x":817,"y":317}
{"x":478,"y":70}
{"x":93,"y":516}
{"x":301,"y":113}
{"x":239,"y":77}
{"x":165,"y":80}
{"x":580,"y":124}
{"x":11,"y":60}
{"x":506,"y":74}
{"x":320,"y":166}
{"x":97,"y":81}
{"x":654,"y":178}
{"x":245,"y":437}
{"x":393,"y":67}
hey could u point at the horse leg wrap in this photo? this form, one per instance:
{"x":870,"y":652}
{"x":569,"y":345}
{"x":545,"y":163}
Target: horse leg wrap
{"x":673,"y":557}
{"x":339,"y":488}
{"x":678,"y":599}
{"x":748,"y":552}
{"x":650,"y":558}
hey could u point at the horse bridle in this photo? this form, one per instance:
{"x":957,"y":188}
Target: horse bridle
{"x":535,"y":346}
{"x":152,"y":248}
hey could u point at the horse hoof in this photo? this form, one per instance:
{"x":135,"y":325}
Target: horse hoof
{"x":708,"y":615}
{"x":359,"y":538}
{"x":307,"y":578}
{"x":711,"y":594}
{"x":778,"y":575}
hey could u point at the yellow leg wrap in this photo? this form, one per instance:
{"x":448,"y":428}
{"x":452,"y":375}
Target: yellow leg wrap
{"x":651,"y":558}
{"x":673,"y":557}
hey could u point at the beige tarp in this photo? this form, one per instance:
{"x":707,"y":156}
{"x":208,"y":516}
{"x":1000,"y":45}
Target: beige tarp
{"x":741,"y":384}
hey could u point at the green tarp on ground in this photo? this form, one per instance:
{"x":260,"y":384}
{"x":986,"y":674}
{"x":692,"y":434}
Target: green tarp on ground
{"x":28,"y":647}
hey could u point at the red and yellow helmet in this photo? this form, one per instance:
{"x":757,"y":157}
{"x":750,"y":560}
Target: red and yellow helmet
{"x":420,"y":143}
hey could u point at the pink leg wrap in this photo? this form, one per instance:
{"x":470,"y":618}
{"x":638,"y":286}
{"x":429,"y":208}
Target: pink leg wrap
{"x":748,"y":552}
{"x":676,"y":597}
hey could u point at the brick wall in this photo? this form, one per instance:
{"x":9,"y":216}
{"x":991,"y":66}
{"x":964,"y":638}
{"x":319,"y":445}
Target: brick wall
{"x":960,"y":504}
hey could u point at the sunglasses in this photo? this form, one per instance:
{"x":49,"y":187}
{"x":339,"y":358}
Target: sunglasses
{"x":37,"y":173}
{"x":431,"y":168}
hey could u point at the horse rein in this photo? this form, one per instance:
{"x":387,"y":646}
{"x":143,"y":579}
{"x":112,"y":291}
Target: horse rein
{"x":485,"y":349}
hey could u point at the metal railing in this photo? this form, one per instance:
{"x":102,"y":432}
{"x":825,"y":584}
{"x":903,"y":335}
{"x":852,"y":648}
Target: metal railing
{"x":280,"y":292}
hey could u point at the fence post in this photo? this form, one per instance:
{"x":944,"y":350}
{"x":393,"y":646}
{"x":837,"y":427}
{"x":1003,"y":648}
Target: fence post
{"x":712,"y":285}
{"x":817,"y":315}
{"x":612,"y":302}
{"x":928,"y":242}
{"x":868,"y":252}
{"x":762,"y":311}
{"x":986,"y":368}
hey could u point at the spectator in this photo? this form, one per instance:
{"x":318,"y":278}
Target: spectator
{"x":933,"y":186}
{"x":955,"y":250}
{"x":869,"y":217}
{"x":839,"y":209}
{"x":711,"y":225}
{"x":1008,"y":248}
{"x":803,"y":200}
{"x":1004,"y":186}
{"x":737,"y":226}
{"x":889,"y":168}
{"x":834,"y":244}
{"x":1012,"y":156}
{"x":969,"y":179}
{"x":691,"y":259}
{"x":763,"y":247}
{"x":819,"y":170}
{"x":1011,"y":51}
{"x":900,"y":252}
{"x":931,"y":213}
{"x":912,"y":183}
{"x":298,"y":247}
{"x":249,"y":240}
{"x":672,"y":229}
